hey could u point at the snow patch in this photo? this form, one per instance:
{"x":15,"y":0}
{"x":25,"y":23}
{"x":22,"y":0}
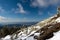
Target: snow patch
{"x":36,"y":34}
{"x":8,"y":37}
{"x":58,"y":20}
{"x":56,"y":36}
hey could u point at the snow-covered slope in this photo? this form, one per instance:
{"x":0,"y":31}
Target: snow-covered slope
{"x":34,"y":30}
{"x":25,"y":34}
{"x":47,"y":21}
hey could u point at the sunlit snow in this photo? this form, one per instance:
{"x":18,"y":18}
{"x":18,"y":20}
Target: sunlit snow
{"x":58,"y":19}
{"x":56,"y":36}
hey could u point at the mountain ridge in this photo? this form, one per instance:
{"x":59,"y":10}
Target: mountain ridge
{"x":39,"y":31}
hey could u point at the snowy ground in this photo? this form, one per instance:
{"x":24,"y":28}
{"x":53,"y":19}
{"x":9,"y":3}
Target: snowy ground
{"x":8,"y":37}
{"x":56,"y":36}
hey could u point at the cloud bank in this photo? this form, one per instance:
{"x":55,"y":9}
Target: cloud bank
{"x":44,"y":3}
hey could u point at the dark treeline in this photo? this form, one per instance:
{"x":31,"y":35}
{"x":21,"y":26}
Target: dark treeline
{"x":6,"y":30}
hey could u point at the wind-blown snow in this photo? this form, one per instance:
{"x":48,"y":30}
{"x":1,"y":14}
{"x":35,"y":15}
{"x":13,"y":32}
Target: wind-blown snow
{"x":56,"y":36}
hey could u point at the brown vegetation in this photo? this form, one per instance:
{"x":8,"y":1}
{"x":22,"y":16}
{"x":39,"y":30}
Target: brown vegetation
{"x":8,"y":31}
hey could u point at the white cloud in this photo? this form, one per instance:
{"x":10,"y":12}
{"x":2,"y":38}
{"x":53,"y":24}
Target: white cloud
{"x":5,"y":20}
{"x":1,"y":18}
{"x":40,"y":13}
{"x":50,"y":14}
{"x":8,"y":20}
{"x":39,"y":3}
{"x":20,"y":9}
{"x":44,"y":3}
{"x":12,"y":20}
{"x":2,"y":10}
{"x":54,"y":1}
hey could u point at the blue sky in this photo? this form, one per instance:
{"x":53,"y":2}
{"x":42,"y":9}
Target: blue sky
{"x":27,"y":10}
